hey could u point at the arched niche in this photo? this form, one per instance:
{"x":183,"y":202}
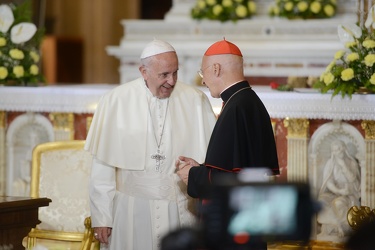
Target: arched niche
{"x":23,"y":134}
{"x":319,"y":149}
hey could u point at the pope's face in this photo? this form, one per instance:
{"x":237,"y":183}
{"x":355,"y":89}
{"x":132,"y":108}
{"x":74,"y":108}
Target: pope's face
{"x":160,"y":74}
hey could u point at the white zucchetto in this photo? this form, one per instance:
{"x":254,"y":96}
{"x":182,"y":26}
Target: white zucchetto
{"x":156,"y":47}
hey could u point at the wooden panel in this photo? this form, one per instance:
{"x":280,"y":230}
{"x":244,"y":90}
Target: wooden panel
{"x":17,"y":216}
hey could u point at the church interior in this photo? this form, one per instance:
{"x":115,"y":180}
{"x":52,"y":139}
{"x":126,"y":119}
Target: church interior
{"x":89,"y":47}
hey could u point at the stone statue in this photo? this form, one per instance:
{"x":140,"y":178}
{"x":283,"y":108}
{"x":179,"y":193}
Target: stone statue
{"x":21,"y":185}
{"x":340,"y":190}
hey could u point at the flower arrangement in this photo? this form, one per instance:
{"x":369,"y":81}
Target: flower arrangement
{"x":303,"y":9}
{"x":223,"y":10}
{"x":19,"y":46}
{"x":353,"y":68}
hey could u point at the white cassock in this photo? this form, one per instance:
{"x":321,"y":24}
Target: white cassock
{"x":139,"y":196}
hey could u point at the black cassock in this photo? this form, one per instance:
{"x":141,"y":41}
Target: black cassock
{"x":242,"y":138}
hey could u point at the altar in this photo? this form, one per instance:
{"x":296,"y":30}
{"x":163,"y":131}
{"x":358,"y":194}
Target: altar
{"x":272,"y":47}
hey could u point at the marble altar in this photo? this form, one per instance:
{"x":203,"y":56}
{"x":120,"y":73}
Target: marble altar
{"x":271,"y":47}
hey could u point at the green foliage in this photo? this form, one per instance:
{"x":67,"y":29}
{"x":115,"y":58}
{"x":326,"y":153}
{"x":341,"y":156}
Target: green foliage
{"x":303,"y":9}
{"x":30,"y":60}
{"x":356,"y":57}
{"x":223,"y":10}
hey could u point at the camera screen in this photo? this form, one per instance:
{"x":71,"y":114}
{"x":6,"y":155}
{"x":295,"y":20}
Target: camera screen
{"x":239,"y":213}
{"x":263,"y":210}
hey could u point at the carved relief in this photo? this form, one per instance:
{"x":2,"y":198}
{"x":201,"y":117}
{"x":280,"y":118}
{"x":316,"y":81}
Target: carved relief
{"x":336,"y":162}
{"x":23,"y":134}
{"x":339,"y":191}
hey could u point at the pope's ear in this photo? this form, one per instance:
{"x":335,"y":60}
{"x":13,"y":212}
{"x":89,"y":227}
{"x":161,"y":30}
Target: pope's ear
{"x":142,"y":69}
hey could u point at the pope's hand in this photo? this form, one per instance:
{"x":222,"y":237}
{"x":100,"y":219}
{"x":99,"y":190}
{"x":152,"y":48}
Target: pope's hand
{"x":102,"y":234}
{"x":183,"y":166}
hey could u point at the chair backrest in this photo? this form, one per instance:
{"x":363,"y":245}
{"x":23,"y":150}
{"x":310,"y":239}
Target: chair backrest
{"x":61,"y":171}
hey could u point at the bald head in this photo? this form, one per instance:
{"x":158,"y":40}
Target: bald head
{"x":229,"y":67}
{"x":222,"y":66}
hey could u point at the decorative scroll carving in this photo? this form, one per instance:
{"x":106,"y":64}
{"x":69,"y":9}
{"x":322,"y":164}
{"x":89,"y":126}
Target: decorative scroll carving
{"x":358,"y":215}
{"x":297,"y":128}
{"x":369,"y":127}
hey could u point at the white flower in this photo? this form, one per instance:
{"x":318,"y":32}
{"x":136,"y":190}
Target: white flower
{"x":6,"y":18}
{"x":22,"y":32}
{"x":348,"y":32}
{"x":370,"y":18}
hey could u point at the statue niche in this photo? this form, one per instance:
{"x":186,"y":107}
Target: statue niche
{"x":24,"y":133}
{"x":336,"y":160}
{"x":340,"y":190}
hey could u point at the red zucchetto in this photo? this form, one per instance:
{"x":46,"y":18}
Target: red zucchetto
{"x":223,"y":47}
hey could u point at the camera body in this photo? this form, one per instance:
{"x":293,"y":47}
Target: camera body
{"x":241,"y":213}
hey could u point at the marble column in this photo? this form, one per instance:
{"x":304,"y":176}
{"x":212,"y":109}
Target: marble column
{"x":63,"y":126}
{"x":298,"y":132}
{"x":368,"y":195}
{"x":2,"y":153}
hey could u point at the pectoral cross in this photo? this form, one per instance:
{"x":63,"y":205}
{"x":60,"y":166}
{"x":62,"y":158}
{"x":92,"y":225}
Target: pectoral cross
{"x":158,"y":157}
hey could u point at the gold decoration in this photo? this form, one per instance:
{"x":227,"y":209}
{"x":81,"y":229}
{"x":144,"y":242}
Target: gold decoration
{"x":2,"y":119}
{"x":325,"y":245}
{"x":286,"y":245}
{"x":369,"y":127}
{"x":273,"y":123}
{"x":297,"y":128}
{"x":63,"y":122}
{"x":88,"y":123}
{"x":311,"y":245}
{"x":358,"y":215}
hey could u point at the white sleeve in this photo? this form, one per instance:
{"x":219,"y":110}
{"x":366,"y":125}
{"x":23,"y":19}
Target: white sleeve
{"x":102,"y":192}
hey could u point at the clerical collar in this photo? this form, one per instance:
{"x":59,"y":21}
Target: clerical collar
{"x":226,"y":94}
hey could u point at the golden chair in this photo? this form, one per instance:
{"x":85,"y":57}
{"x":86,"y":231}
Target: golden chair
{"x":60,"y":171}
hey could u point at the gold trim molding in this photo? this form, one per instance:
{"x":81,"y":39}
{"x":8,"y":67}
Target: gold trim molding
{"x":369,"y":127}
{"x":297,"y":128}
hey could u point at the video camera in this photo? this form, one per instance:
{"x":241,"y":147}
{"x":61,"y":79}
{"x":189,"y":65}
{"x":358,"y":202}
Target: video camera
{"x":240,"y":212}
